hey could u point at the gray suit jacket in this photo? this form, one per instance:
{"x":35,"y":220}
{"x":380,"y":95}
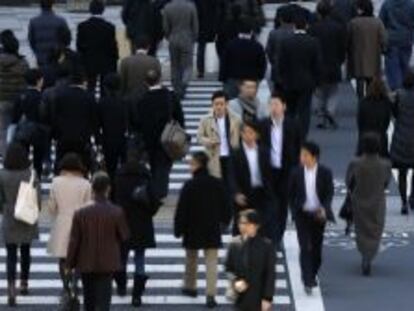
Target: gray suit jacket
{"x":181,"y":22}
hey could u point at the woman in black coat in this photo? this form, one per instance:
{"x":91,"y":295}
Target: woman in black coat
{"x":374,"y":115}
{"x":139,"y":211}
{"x":402,"y":147}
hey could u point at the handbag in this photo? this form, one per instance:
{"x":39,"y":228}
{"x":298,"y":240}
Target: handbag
{"x":26,"y":208}
{"x":174,"y":139}
{"x":346,"y":210}
{"x":70,"y":300}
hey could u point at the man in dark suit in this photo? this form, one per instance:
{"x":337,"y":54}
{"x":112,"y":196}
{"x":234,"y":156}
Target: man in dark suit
{"x":311,"y":191}
{"x":96,"y":43}
{"x":252,"y":174}
{"x":243,"y":59}
{"x":73,"y":117}
{"x":299,"y":71}
{"x":280,"y":136}
{"x":97,"y":234}
{"x":155,"y":109}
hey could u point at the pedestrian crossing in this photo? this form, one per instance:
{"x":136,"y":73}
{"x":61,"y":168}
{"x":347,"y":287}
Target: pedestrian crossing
{"x":165,"y":266}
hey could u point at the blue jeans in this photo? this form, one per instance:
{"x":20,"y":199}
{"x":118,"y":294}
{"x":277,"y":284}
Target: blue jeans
{"x":139,"y":262}
{"x":397,"y":61}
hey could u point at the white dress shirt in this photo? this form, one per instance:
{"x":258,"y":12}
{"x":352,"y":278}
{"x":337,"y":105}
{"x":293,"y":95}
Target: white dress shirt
{"x":224,"y":144}
{"x":252,"y":155}
{"x":312,"y":202}
{"x":277,"y":143}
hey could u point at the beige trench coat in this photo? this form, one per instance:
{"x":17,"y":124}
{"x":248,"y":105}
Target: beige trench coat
{"x":68,"y":193}
{"x":208,"y":132}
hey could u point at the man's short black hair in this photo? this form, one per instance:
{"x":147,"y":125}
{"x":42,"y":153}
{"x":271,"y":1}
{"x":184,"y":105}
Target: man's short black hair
{"x":251,"y":124}
{"x":312,"y":147}
{"x":280,"y":96}
{"x":251,"y":216}
{"x":101,"y":183}
{"x":142,"y":43}
{"x":201,"y":158}
{"x":219,"y":94}
{"x":96,"y":7}
{"x":33,"y":76}
{"x":245,"y":26}
{"x":324,"y":8}
{"x":47,"y":4}
{"x":153,"y":77}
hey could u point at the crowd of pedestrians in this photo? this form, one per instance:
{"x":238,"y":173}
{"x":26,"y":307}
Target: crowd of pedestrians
{"x":258,"y":163}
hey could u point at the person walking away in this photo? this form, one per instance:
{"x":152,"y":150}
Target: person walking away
{"x":367,"y":178}
{"x":398,"y":19}
{"x":280,"y":136}
{"x":402,"y":145}
{"x":367,"y":41}
{"x":199,"y":219}
{"x":158,"y":107}
{"x":208,"y":14}
{"x":16,"y":234}
{"x":143,"y":19}
{"x":97,"y":46}
{"x":133,"y":70}
{"x":300,"y":70}
{"x":253,"y":181}
{"x":74,"y":105}
{"x":29,"y":119}
{"x":97,"y":234}
{"x":311,"y":193}
{"x":43,"y":32}
{"x":181,"y":28}
{"x":251,"y":11}
{"x":113,"y":124}
{"x":131,"y":176}
{"x":284,"y":30}
{"x":219,"y":133}
{"x":374,"y":115}
{"x":243,"y":59}
{"x":332,"y":38}
{"x":13,"y":67}
{"x":251,"y":264}
{"x":69,"y":192}
{"x":247,"y":106}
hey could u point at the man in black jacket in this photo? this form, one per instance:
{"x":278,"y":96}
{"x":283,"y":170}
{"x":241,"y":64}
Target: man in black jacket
{"x":280,"y":136}
{"x":73,"y":119}
{"x":243,"y":59}
{"x":253,"y":180}
{"x":311,"y":191}
{"x":96,"y":43}
{"x":154,"y":110}
{"x":199,"y":219}
{"x":299,"y":70}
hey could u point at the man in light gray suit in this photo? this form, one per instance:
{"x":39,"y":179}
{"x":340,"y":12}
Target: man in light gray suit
{"x":181,"y":30}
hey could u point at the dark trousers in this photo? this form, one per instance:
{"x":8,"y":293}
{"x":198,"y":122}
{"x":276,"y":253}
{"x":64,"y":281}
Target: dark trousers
{"x":397,"y":61}
{"x":97,"y":291}
{"x":310,"y":236}
{"x":161,"y":166}
{"x":115,"y":154}
{"x":201,"y":56}
{"x":280,"y":189}
{"x":402,"y":185}
{"x":25,"y":260}
{"x":299,"y":108}
{"x":139,"y":262}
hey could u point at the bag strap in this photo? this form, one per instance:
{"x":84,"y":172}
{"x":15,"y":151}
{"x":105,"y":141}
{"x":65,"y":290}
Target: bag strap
{"x":32,"y":177}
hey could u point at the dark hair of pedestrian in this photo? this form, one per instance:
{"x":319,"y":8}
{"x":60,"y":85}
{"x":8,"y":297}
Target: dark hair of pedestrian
{"x":324,"y":8}
{"x":153,"y":77}
{"x":9,"y":42}
{"x":250,"y":124}
{"x":101,"y":183}
{"x":312,"y":148}
{"x":408,"y":82}
{"x":71,"y":162}
{"x":142,"y":43}
{"x":96,"y":7}
{"x":377,"y":89}
{"x":201,"y":158}
{"x":33,"y":76}
{"x":370,"y":144}
{"x":219,"y":94}
{"x":47,"y":4}
{"x":300,"y":20}
{"x":64,"y":37}
{"x":365,"y":7}
{"x":245,"y":26}
{"x":251,"y":216}
{"x":112,"y":83}
{"x":280,"y":96}
{"x":17,"y":157}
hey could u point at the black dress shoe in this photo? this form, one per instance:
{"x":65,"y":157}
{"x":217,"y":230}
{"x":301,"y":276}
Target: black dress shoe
{"x":366,"y":267}
{"x":211,"y":302}
{"x":314,"y":283}
{"x":121,"y":291}
{"x":189,"y":292}
{"x":308,"y":290}
{"x":404,"y":209}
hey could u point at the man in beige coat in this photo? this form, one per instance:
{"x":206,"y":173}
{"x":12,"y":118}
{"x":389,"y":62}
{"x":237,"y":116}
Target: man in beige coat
{"x":219,"y":133}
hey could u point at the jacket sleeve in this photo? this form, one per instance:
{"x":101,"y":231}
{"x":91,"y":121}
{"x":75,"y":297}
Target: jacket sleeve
{"x":166,"y":24}
{"x":269,"y":281}
{"x":31,"y":36}
{"x":383,"y":14}
{"x":17,"y":111}
{"x":74,"y":243}
{"x":125,"y":11}
{"x":330,"y":191}
{"x":262,"y":65}
{"x":113,"y":46}
{"x":180,"y":218}
{"x":349,"y":179}
{"x":293,"y":190}
{"x":122,"y":227}
{"x":270,"y":50}
{"x":383,"y":38}
{"x":195,"y":23}
{"x":178,"y":113}
{"x":202,"y":137}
